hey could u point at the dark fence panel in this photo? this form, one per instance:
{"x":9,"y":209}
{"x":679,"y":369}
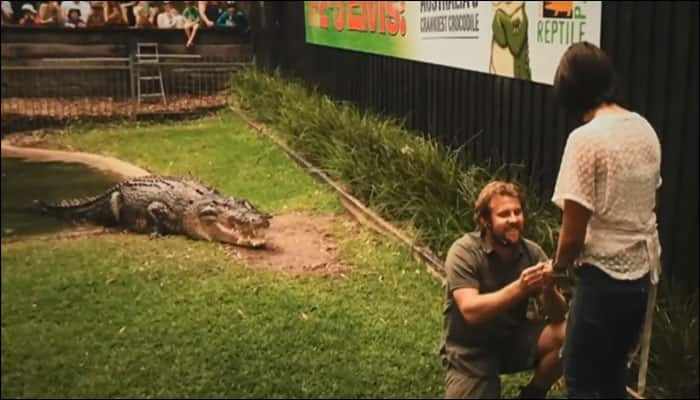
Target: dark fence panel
{"x":654,"y":46}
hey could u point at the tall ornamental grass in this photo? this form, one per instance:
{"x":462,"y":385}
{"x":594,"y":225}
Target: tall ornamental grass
{"x":414,"y":182}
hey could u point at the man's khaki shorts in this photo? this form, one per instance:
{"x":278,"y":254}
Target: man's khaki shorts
{"x":463,"y":386}
{"x":515,"y":355}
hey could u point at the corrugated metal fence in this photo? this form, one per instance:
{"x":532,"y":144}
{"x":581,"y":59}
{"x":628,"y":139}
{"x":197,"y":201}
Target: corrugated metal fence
{"x":654,"y":46}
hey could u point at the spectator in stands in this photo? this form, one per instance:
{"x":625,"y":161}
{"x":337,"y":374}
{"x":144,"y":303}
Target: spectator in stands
{"x":81,"y":11}
{"x":192,"y":22}
{"x":233,"y":18}
{"x":28,"y":15}
{"x":49,"y":14}
{"x":170,"y":17}
{"x":114,"y":14}
{"x":145,"y":14}
{"x":97,"y":16}
{"x":128,"y":12}
{"x":209,"y":11}
{"x":74,"y":20}
{"x":8,"y":15}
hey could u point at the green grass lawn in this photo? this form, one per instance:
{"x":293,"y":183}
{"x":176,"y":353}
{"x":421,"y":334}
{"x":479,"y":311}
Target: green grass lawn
{"x":125,"y":316}
{"x":221,"y":150}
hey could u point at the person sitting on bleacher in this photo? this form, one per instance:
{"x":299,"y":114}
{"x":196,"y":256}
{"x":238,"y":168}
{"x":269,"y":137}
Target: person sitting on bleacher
{"x":97,"y":16}
{"x":192,"y":22}
{"x":128,"y":11}
{"x":49,"y":14}
{"x":80,"y":11}
{"x":233,"y":18}
{"x":73,"y":20}
{"x":170,"y":17}
{"x":28,"y":15}
{"x":114,"y":14}
{"x":145,"y":14}
{"x":8,"y":15}
{"x":209,"y":11}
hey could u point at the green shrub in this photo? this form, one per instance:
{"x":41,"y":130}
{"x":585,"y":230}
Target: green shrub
{"x":673,"y":358}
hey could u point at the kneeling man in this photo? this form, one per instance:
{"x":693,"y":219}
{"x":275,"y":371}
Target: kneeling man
{"x":491,"y":276}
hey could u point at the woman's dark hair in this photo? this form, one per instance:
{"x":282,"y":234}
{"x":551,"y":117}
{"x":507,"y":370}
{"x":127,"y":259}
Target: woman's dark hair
{"x":585,"y":79}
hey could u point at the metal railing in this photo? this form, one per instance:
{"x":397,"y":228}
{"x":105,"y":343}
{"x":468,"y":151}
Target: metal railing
{"x":58,"y":89}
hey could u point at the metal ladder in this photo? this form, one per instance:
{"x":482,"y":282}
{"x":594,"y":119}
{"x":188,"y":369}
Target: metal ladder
{"x":147,"y":53}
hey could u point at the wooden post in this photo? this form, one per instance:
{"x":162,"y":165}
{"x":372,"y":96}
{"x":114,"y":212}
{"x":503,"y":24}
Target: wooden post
{"x":646,"y":339}
{"x":132,"y":83}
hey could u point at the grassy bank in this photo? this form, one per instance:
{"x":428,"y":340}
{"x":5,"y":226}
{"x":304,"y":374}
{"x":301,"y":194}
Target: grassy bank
{"x":411,"y":181}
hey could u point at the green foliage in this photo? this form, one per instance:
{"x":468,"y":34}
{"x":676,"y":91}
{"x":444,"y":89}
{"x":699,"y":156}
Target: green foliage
{"x":409,"y":180}
{"x":673,"y":359}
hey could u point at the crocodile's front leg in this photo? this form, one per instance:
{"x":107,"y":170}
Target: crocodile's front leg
{"x":163,"y":219}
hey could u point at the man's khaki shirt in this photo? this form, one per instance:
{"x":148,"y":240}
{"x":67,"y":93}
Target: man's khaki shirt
{"x":473,"y":263}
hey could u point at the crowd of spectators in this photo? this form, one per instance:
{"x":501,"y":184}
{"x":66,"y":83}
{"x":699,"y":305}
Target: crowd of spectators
{"x":190,"y":16}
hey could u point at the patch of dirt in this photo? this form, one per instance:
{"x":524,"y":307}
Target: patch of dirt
{"x":298,"y":244}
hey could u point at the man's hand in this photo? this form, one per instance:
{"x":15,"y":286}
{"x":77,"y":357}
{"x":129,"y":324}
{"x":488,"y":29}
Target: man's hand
{"x":478,"y":307}
{"x":533,"y":279}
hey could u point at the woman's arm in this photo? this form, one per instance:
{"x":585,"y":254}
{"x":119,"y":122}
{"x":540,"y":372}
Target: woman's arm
{"x":572,"y":235}
{"x":553,"y":303}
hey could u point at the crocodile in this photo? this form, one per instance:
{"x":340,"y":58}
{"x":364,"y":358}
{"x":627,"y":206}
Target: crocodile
{"x":162,"y":205}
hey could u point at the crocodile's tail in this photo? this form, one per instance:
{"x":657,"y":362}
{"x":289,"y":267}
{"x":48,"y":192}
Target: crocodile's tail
{"x":96,"y":209}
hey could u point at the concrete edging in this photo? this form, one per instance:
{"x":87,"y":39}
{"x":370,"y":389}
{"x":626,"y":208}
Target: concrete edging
{"x":111,"y":165}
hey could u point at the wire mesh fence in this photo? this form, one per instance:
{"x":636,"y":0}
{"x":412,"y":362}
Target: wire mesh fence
{"x":42,"y":92}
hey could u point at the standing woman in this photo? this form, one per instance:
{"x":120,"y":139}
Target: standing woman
{"x":607,"y":185}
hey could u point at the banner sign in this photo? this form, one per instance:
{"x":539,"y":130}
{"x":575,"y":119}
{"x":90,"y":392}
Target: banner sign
{"x":517,"y":39}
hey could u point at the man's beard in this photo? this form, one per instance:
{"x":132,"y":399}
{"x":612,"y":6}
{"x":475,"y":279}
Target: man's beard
{"x":503,"y":239}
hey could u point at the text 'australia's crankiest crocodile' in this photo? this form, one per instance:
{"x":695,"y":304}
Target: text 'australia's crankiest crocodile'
{"x":169,"y":205}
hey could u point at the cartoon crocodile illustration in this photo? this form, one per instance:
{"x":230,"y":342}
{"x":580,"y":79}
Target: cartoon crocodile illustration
{"x":162,"y":205}
{"x":510,"y":55}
